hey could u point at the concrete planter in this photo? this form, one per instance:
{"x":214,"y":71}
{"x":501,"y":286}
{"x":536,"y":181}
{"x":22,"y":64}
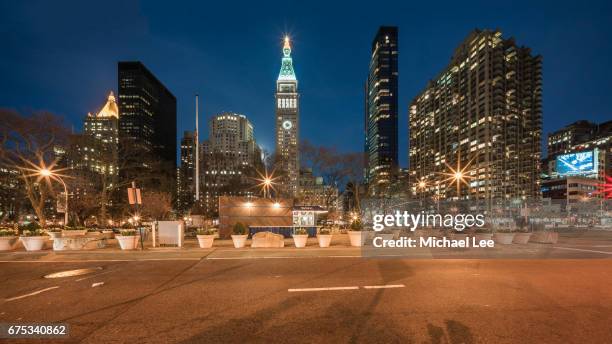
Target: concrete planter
{"x":545,"y":237}
{"x":483,"y":236}
{"x":108,"y":234}
{"x":33,"y":243}
{"x":300,"y":240}
{"x":324,"y":240}
{"x":386,"y":236}
{"x":53,"y":235}
{"x":127,"y":242}
{"x":206,"y":241}
{"x":7,"y":243}
{"x":503,"y":238}
{"x":521,"y":238}
{"x":396,"y":233}
{"x":74,"y":232}
{"x":356,"y":238}
{"x":239,"y":240}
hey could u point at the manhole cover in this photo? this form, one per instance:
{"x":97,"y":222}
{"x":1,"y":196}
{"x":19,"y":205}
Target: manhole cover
{"x":70,"y":273}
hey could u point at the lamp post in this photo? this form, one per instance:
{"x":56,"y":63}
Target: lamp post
{"x":47,"y":173}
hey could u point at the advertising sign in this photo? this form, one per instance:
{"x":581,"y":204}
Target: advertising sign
{"x":575,"y":164}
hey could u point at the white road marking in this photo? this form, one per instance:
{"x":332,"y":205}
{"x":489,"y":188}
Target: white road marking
{"x":322,"y":289}
{"x":32,"y":293}
{"x":383,"y":286}
{"x":580,"y":249}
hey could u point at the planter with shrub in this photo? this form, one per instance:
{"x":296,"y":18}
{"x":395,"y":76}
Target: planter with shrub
{"x":54,"y":233}
{"x":356,"y":235}
{"x":324,"y":237}
{"x":8,"y":239}
{"x":521,"y":237}
{"x":545,"y":237}
{"x":300,"y":237}
{"x":503,"y":236}
{"x":128,"y":240}
{"x":483,"y":233}
{"x":74,"y":231}
{"x":205,"y":237}
{"x":33,"y":240}
{"x":385,"y":234}
{"x":239,"y":235}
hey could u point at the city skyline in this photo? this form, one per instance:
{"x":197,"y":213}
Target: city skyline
{"x":201,"y":63}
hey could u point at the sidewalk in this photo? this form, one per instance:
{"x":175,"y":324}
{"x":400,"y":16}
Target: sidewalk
{"x":222,"y":249}
{"x":571,"y":245}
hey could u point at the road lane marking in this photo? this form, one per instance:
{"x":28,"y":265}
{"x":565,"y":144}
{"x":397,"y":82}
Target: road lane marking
{"x":322,"y":289}
{"x":32,"y":293}
{"x":583,"y":250}
{"x":385,"y":286}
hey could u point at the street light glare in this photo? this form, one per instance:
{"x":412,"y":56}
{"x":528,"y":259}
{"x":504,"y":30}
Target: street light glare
{"x":458,"y":175}
{"x":45,"y":172}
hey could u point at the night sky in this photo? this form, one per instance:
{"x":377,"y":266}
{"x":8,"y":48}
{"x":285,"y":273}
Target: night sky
{"x":62,"y":56}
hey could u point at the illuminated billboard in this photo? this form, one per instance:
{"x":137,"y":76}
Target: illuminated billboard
{"x":577,"y":164}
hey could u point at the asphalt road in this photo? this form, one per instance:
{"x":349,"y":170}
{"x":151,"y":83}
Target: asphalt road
{"x":269,"y":300}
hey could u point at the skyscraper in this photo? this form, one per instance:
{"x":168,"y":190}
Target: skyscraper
{"x":102,"y":129}
{"x":229,"y":159}
{"x":147,"y":113}
{"x":287,"y":123}
{"x":483,"y":112}
{"x":381,"y":104}
{"x":96,"y":150}
{"x":186,"y":172}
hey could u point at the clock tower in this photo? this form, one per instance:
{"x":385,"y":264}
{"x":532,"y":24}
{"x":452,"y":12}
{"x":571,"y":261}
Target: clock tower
{"x":287,"y":123}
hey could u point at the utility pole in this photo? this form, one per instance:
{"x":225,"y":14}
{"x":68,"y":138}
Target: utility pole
{"x":197,"y":152}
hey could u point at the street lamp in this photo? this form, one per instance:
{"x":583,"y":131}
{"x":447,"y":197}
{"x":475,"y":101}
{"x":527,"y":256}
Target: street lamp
{"x":458,"y":174}
{"x":266,"y":182}
{"x":51,"y":174}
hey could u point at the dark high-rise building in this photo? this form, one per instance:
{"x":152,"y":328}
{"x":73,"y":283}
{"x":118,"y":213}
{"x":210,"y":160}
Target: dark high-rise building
{"x":186,"y":172}
{"x":381,"y":122}
{"x":147,"y":112}
{"x":479,"y":121}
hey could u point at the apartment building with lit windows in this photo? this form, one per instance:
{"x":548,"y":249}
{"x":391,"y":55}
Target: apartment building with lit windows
{"x":477,"y":124}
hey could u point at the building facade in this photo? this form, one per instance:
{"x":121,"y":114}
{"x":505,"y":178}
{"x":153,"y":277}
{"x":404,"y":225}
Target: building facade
{"x":186,"y":173}
{"x":314,"y":192}
{"x":381,"y":109}
{"x":475,"y":129}
{"x":579,"y":165}
{"x":562,"y":140}
{"x":147,"y":114}
{"x":230,"y":159}
{"x":287,"y":124}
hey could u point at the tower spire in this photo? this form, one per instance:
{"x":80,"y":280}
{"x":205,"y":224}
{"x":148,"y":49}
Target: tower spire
{"x":287,"y":47}
{"x":286,"y":71}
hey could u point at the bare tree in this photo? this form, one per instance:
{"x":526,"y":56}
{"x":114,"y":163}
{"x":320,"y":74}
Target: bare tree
{"x":28,"y":146}
{"x":337,"y":169}
{"x":156,"y":205}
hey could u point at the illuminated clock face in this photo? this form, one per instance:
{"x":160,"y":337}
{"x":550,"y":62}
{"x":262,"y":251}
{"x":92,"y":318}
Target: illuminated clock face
{"x":287,"y":125}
